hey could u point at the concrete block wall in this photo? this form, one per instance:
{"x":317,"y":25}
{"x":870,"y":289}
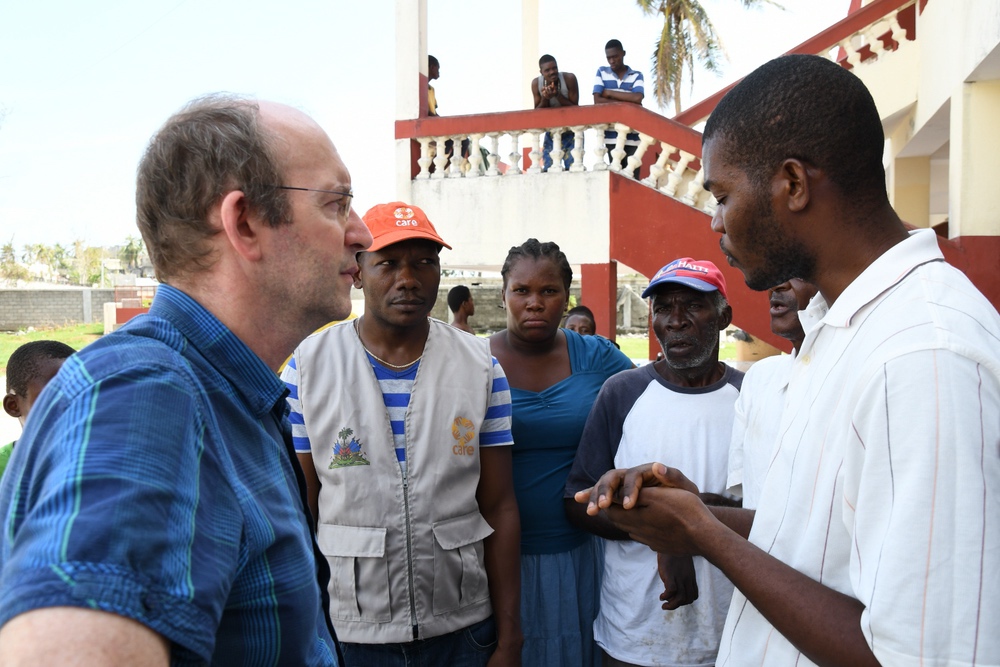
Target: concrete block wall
{"x":39,"y":308}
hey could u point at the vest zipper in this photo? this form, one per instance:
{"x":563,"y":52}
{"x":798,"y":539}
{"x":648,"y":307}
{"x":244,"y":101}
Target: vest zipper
{"x":409,"y":553}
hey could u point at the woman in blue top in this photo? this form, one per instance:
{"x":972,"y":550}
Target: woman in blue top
{"x":554,"y":377}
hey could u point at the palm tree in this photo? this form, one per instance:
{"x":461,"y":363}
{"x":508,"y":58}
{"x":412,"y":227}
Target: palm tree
{"x":687,"y":34}
{"x":130,"y":252}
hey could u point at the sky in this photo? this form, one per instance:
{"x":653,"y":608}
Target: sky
{"x":83,"y":85}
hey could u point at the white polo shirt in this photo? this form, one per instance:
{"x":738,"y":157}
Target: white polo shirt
{"x":886,"y":481}
{"x":755,"y":426}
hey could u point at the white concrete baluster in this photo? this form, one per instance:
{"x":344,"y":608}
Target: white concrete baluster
{"x":536,"y":153}
{"x":493,"y":157}
{"x":475,"y":157}
{"x":601,"y":150}
{"x":676,"y":174}
{"x":694,"y":189}
{"x":853,"y":56}
{"x":515,"y":154}
{"x":440,"y":159}
{"x":635,"y":160}
{"x":710,"y":205}
{"x":557,"y":152}
{"x":577,"y":151}
{"x":618,"y":152}
{"x":871,"y":34}
{"x":659,"y":169}
{"x":457,"y":166}
{"x":425,"y":158}
{"x":898,"y":33}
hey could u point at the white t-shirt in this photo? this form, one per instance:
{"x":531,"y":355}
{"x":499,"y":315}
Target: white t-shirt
{"x":755,"y":427}
{"x":885,"y":484}
{"x":640,"y":417}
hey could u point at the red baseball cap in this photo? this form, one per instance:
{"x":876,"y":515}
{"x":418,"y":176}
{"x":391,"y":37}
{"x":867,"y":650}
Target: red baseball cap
{"x":699,"y":274}
{"x":394,"y":222}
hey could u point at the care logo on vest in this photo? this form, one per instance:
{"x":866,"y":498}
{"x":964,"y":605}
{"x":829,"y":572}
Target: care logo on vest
{"x":463,"y":430}
{"x":347,"y":451}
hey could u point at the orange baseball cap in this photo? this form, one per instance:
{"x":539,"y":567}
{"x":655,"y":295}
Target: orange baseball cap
{"x":394,"y":222}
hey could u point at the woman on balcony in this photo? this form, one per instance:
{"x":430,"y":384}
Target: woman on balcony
{"x":554,"y":377}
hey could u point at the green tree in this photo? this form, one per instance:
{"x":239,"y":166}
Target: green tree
{"x":687,"y":35}
{"x":85,"y":264}
{"x":10,"y":269}
{"x":131,"y":251}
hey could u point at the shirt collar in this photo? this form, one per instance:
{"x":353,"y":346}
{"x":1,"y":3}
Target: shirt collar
{"x":885,"y":272}
{"x":258,"y":385}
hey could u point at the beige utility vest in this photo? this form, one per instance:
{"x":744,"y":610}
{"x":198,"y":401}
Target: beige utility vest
{"x":406,"y":555}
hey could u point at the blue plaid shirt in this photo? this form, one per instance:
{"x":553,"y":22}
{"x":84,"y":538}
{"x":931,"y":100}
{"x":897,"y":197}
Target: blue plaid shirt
{"x":152,"y":482}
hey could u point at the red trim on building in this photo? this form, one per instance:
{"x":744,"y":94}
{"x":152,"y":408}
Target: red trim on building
{"x":820,"y":43}
{"x":599,"y":292}
{"x":636,"y":117}
{"x":977,"y":257}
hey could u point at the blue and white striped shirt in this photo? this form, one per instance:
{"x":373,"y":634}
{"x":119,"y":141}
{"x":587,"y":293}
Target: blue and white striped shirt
{"x":632,"y":82}
{"x":396,"y":387}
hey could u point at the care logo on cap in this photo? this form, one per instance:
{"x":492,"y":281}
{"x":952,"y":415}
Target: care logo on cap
{"x":404,"y":217}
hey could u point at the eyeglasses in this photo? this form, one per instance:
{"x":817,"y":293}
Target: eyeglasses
{"x":345,"y":207}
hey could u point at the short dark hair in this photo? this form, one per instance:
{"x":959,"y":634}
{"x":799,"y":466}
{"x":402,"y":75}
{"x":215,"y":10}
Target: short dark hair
{"x":613,"y":44}
{"x":432,"y":61}
{"x":458,"y":295}
{"x":545,"y":59}
{"x":213,"y":145}
{"x":582,"y":310}
{"x":532,"y":248}
{"x":810,"y":109}
{"x":24,"y":364}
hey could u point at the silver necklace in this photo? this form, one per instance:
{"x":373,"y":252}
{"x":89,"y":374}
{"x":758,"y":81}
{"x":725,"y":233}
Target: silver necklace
{"x":357,"y":330}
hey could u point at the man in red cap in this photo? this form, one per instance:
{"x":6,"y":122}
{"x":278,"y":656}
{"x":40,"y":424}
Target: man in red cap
{"x":678,"y":409}
{"x":402,"y":426}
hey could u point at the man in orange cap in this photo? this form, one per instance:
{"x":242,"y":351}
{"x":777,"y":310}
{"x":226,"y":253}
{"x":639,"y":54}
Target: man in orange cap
{"x":402,"y":426}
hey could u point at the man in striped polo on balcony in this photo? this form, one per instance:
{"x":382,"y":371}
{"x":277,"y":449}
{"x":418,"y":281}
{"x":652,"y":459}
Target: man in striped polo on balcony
{"x":618,"y":83}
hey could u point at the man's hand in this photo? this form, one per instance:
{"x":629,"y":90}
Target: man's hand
{"x":680,"y":585}
{"x":622,"y":486}
{"x":505,"y":655}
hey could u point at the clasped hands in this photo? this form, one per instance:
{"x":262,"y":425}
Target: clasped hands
{"x":659,"y":507}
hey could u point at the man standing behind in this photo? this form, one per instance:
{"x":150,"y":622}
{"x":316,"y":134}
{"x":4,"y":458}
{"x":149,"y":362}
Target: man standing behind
{"x":403,"y":431}
{"x":678,"y":409}
{"x":433,"y":72}
{"x":618,"y":83}
{"x":462,"y":307}
{"x":29,"y":369}
{"x":555,"y":89}
{"x":153,"y":509}
{"x":762,"y":397}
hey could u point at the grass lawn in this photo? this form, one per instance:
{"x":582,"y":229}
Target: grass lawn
{"x":637,"y":347}
{"x":76,"y":336}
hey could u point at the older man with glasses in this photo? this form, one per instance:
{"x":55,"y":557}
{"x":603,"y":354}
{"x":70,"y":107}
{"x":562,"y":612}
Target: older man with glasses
{"x":154,"y":509}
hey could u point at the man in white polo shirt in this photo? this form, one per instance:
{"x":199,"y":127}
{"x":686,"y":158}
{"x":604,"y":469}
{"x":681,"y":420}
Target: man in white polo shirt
{"x":875,"y":540}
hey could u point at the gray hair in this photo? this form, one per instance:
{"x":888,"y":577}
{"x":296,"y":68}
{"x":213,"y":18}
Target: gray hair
{"x":213,"y":145}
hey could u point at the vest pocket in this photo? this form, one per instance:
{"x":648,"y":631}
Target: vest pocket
{"x":356,"y":554}
{"x":459,"y":571}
